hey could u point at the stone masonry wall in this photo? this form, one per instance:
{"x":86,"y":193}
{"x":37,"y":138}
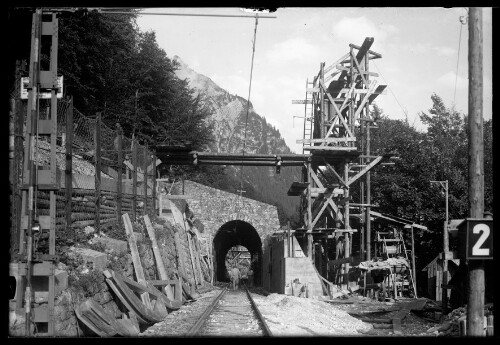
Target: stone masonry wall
{"x":214,"y":208}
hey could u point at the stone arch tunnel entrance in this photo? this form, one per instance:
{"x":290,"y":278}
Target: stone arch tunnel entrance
{"x":237,"y":233}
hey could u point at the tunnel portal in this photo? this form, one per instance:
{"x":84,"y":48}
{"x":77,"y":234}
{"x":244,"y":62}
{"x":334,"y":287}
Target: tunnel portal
{"x":234,"y":233}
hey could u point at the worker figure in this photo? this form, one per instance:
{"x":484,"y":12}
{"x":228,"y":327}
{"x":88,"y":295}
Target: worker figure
{"x":244,"y":276}
{"x":235,"y":277}
{"x":250,"y":276}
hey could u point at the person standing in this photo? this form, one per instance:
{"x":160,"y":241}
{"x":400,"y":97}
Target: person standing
{"x":250,"y":276}
{"x":244,"y":276}
{"x":235,"y":277}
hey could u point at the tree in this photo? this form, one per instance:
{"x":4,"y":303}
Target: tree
{"x":404,"y":189}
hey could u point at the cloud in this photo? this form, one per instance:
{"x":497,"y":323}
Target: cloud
{"x":355,"y":30}
{"x":449,"y":78}
{"x":293,"y":50}
{"x":444,"y":51}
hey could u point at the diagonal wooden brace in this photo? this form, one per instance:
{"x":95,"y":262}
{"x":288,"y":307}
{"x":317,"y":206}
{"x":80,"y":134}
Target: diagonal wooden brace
{"x":337,"y":110}
{"x":359,"y":68}
{"x":336,"y":174}
{"x":365,"y":99}
{"x":365,"y":170}
{"x":327,"y":202}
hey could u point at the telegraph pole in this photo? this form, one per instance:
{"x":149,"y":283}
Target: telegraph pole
{"x":475,"y":305}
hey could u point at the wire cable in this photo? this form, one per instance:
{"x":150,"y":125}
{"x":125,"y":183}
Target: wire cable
{"x":463,"y":21}
{"x":404,"y":111}
{"x":248,"y":109}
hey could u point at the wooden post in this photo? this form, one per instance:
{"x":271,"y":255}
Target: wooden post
{"x":368,"y":199}
{"x":97,"y":160}
{"x":154,"y":181}
{"x":363,"y":184}
{"x":289,"y":238}
{"x":413,"y":263}
{"x":475,"y":305}
{"x":347,"y":226}
{"x":119,"y":183}
{"x":69,"y":164}
{"x":191,"y":256}
{"x":134,"y":178}
{"x":309,"y":214}
{"x":444,"y":291}
{"x":145,"y":179}
{"x":157,"y":254}
{"x":178,"y":247}
{"x":322,"y":100}
{"x":136,"y":259}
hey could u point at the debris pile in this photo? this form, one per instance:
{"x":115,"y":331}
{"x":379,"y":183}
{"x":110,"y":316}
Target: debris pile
{"x":295,"y":316}
{"x":451,"y":323}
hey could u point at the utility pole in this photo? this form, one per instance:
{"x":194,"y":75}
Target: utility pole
{"x":475,"y":304}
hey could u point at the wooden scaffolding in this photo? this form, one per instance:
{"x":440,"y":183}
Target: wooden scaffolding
{"x":337,"y":123}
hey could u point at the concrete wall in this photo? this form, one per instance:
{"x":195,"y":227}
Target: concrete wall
{"x":280,"y":268}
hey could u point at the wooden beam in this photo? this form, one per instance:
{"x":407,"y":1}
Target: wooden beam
{"x":326,"y":140}
{"x":177,"y":197}
{"x":162,"y":282}
{"x":365,"y":99}
{"x":340,"y":261}
{"x":360,"y":71}
{"x":191,"y":255}
{"x":342,"y":68}
{"x":365,"y":170}
{"x":331,"y":148}
{"x":377,"y":55}
{"x":136,"y":259}
{"x":332,"y":66}
{"x":157,"y":254}
{"x":365,"y":47}
{"x":301,"y":101}
{"x":337,"y":110}
{"x":341,"y":180}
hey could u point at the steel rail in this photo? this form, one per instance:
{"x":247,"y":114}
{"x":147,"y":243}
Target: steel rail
{"x":203,"y":318}
{"x":267,"y":331}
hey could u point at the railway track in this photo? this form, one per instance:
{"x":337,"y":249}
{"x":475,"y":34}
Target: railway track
{"x":232,"y":313}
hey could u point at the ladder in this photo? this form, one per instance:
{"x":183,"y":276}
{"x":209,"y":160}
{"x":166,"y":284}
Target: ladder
{"x":411,"y":269}
{"x":35,"y":270}
{"x":308,"y":115}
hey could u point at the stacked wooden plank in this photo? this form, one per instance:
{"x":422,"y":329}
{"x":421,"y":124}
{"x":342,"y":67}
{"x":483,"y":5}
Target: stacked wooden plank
{"x":122,"y":287}
{"x":102,"y":323}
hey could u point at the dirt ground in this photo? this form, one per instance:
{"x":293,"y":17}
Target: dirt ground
{"x":289,"y":316}
{"x":294,"y":316}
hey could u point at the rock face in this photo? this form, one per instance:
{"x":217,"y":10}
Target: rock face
{"x":228,"y":119}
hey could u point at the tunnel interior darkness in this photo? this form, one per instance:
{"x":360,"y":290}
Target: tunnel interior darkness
{"x":234,"y":233}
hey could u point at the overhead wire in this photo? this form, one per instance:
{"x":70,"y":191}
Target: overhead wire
{"x":248,"y":110}
{"x":392,"y":92}
{"x":463,"y":21}
{"x":114,"y":11}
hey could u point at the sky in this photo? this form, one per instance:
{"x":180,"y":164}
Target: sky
{"x":420,"y":50}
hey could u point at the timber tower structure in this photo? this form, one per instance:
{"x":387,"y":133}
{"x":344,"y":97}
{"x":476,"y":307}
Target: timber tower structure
{"x":337,"y":124}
